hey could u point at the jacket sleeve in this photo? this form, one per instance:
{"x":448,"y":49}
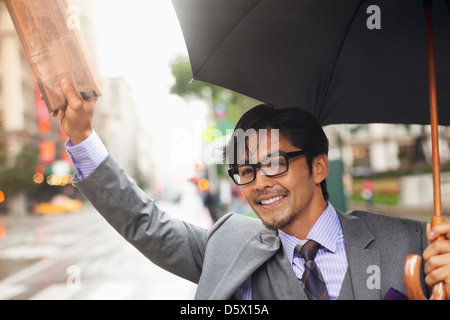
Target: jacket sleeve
{"x":172,"y":244}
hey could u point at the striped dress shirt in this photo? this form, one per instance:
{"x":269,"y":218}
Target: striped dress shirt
{"x":87,"y":155}
{"x":331,"y":257}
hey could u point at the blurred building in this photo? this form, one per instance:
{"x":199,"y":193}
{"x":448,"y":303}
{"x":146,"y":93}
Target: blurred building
{"x":18,"y":125}
{"x":377,"y":148}
{"x":116,"y":118}
{"x":86,"y":12}
{"x":399,"y":155}
{"x":117,"y":123}
{"x":24,"y":118}
{"x":25,"y":122}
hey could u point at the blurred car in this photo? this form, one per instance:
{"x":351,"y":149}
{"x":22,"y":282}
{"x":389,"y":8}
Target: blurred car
{"x":58,"y":204}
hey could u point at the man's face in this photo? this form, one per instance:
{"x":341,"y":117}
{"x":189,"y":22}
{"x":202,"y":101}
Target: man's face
{"x":280,"y":201}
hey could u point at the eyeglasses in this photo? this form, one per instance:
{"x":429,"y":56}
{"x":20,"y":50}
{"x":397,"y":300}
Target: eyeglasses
{"x":271,"y":166}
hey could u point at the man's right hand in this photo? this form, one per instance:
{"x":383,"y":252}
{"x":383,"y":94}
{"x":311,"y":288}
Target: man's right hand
{"x":76,"y":117}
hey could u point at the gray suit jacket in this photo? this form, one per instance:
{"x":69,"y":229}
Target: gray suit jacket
{"x":239,"y":247}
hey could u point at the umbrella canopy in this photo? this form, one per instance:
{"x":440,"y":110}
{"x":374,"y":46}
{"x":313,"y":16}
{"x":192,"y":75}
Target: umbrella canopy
{"x":345,"y":61}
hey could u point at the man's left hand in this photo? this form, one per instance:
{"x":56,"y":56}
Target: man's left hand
{"x":437,"y":256}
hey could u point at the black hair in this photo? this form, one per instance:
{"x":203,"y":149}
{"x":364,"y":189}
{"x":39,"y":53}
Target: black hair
{"x":298,"y":127}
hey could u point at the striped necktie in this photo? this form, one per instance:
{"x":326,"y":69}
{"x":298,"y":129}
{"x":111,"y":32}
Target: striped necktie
{"x":312,"y":278}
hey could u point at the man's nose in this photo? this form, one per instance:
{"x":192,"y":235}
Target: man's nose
{"x":262,"y":181}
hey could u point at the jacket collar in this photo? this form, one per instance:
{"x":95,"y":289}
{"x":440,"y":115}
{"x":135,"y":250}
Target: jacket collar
{"x":254,"y":253}
{"x":361,"y":260}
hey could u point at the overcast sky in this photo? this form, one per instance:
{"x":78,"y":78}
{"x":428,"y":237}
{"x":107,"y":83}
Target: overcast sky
{"x":137,"y":39}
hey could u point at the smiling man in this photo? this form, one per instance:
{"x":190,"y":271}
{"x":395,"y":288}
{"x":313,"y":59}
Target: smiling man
{"x":289,"y":191}
{"x":300,"y":248}
{"x":281,"y":168}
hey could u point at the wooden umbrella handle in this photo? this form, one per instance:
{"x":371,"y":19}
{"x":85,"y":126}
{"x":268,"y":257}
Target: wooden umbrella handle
{"x":412,"y":264}
{"x":412,"y":275}
{"x":412,"y":282}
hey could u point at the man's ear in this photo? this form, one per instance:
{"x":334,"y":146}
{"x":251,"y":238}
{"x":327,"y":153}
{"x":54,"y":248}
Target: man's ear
{"x":320,"y":168}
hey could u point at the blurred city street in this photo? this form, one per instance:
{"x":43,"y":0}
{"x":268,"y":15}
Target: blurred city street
{"x":79,"y":256}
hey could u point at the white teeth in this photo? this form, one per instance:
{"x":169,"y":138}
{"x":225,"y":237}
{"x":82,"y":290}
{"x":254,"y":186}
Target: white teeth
{"x":272,"y":200}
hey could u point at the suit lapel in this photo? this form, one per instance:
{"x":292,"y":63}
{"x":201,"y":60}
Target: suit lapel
{"x":255,"y":252}
{"x":260,"y":248}
{"x":276,"y":280}
{"x":361,"y":260}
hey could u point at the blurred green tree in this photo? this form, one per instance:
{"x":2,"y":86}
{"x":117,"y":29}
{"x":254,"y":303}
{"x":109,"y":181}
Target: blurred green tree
{"x":235,"y":103}
{"x":19,"y":177}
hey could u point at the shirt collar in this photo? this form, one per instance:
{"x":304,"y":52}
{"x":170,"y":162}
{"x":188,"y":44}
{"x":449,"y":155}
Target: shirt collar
{"x":325,"y":231}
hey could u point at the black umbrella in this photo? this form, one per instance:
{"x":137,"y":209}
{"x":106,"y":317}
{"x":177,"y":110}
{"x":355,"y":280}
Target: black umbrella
{"x":345,"y":61}
{"x":320,"y":55}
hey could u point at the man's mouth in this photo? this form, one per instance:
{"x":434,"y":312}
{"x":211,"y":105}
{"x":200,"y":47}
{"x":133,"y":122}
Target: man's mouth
{"x":271,"y":200}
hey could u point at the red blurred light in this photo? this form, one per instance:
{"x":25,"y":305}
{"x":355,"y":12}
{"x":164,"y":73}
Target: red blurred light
{"x":195,"y":177}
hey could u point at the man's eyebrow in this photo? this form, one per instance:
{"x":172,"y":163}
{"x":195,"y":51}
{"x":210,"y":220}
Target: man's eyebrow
{"x":275,"y":153}
{"x":272,"y":154}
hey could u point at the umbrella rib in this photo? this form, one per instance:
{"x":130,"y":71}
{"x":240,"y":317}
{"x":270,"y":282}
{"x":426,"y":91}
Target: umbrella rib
{"x":337,"y":58}
{"x":219,"y":43}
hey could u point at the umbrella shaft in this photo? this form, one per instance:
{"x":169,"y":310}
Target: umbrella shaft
{"x":433,"y":113}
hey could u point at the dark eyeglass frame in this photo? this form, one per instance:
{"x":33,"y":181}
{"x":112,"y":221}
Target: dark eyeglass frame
{"x":287,"y":156}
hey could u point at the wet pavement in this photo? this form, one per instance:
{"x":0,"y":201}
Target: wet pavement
{"x":79,"y":256}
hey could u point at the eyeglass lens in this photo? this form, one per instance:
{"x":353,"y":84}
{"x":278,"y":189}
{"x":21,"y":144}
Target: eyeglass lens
{"x":270,"y":167}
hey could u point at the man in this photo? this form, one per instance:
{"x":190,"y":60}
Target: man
{"x":279,"y":159}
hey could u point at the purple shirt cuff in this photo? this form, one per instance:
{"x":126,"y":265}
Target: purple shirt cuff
{"x":87,"y":155}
